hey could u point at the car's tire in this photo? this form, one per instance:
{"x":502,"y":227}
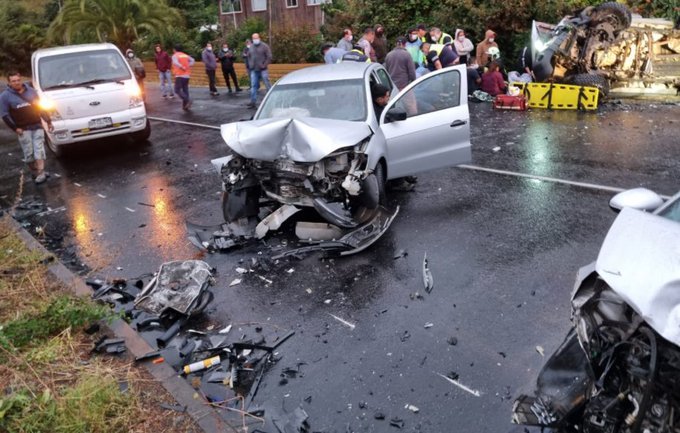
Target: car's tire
{"x":58,"y":151}
{"x":143,"y":135}
{"x":592,"y":80}
{"x":615,"y":13}
{"x":381,"y":177}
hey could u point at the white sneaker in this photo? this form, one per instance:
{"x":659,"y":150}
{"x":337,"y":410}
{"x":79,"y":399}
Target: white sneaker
{"x":42,"y":177}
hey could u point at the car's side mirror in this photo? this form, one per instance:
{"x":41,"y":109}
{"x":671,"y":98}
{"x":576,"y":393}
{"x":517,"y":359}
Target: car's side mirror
{"x":636,"y":198}
{"x":395,"y":114}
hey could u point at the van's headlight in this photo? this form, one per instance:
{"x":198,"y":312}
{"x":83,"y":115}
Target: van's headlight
{"x":133,"y":89}
{"x":48,"y":106}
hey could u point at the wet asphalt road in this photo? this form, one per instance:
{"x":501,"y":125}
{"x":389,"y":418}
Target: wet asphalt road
{"x":503,"y":252}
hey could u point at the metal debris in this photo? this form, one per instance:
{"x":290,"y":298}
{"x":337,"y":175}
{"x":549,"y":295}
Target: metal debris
{"x":460,"y":385}
{"x":343,"y":321}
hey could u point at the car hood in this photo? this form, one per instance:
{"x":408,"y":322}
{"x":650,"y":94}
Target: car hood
{"x":300,"y":140}
{"x":640,"y":260}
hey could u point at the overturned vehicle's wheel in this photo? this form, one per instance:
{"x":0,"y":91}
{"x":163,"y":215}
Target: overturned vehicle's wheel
{"x":616,"y":14}
{"x":592,"y":80}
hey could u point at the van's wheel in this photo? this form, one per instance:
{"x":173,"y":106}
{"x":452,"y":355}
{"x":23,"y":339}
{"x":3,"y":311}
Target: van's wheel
{"x":58,"y":151}
{"x":616,"y":14}
{"x":592,"y":80}
{"x":143,"y":135}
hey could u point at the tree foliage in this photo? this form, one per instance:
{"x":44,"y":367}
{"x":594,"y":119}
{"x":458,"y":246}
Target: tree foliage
{"x":22,"y":33}
{"x":121,"y":22}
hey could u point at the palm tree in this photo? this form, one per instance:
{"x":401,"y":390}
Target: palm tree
{"x":120,"y":22}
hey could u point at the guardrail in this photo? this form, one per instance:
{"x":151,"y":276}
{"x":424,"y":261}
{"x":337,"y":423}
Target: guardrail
{"x":199,"y":78}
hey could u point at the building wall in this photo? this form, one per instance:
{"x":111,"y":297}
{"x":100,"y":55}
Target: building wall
{"x":281,"y":15}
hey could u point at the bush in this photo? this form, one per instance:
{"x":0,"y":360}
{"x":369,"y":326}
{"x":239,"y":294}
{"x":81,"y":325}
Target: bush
{"x":292,"y":44}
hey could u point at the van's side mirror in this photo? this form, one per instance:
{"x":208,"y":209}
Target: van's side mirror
{"x":395,"y":114}
{"x":636,"y":198}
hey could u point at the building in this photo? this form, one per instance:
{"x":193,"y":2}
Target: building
{"x":289,"y":13}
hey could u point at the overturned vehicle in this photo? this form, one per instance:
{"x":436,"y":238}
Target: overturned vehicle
{"x":319,"y":141}
{"x":607,"y":47}
{"x":618,"y":369}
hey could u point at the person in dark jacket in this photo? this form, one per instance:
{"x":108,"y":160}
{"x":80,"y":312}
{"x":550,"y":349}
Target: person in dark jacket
{"x":492,"y":80}
{"x":163,"y":65}
{"x":226,"y":58}
{"x":20,"y":112}
{"x":399,"y":64}
{"x":138,"y":69}
{"x":259,"y":58}
{"x":439,"y":56}
{"x":379,"y":43}
{"x":380,"y":96}
{"x":210,"y":63}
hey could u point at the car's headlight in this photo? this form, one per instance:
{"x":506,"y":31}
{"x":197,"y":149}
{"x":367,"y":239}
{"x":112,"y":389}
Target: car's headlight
{"x":48,"y":106}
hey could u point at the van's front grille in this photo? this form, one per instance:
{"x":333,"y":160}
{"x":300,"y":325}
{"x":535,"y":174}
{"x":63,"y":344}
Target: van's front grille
{"x":76,"y":133}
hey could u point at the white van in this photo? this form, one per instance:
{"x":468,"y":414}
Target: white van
{"x":90,"y":92}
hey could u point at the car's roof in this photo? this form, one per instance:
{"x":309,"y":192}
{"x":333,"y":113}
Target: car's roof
{"x":333,"y":72}
{"x":72,"y":49}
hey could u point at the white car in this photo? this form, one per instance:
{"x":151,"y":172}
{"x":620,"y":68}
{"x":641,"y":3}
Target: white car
{"x":316,"y":140}
{"x":90,"y":92}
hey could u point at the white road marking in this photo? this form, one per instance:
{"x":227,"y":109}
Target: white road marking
{"x":182,"y":122}
{"x":466,"y":166}
{"x":547,"y":179}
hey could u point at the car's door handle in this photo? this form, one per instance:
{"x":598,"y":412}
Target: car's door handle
{"x":458,"y":123}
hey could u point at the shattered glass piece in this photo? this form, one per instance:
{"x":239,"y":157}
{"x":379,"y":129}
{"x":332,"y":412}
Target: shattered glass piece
{"x":178,"y":286}
{"x":428,"y":281}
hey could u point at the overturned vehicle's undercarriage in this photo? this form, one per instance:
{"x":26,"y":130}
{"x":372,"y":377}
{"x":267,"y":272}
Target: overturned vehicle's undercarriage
{"x":607,"y":47}
{"x":618,"y":369}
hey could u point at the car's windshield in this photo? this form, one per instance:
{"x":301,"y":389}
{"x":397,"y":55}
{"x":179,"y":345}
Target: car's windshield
{"x":81,"y":68}
{"x":671,"y":211}
{"x":340,"y":100}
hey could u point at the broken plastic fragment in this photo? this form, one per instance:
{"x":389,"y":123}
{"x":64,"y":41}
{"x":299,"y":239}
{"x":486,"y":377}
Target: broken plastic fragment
{"x":235,"y":282}
{"x":412,"y":408}
{"x":540,"y":350}
{"x":428,"y":281}
{"x":429,"y":325}
{"x":274,"y":220}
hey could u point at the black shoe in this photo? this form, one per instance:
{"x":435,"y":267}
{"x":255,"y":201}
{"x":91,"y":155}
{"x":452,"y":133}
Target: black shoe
{"x":230,"y":91}
{"x":239,"y":90}
{"x":252,"y":105}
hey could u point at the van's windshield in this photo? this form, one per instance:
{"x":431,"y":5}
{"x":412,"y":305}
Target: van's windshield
{"x":83,"y":68}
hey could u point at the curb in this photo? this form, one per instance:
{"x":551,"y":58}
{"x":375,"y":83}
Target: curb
{"x":205,"y":417}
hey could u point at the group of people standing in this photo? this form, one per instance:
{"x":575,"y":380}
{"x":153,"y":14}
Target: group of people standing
{"x":422,"y":49}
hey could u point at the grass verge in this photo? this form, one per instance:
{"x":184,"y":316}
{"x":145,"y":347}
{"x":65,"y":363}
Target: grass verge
{"x":50,"y":381}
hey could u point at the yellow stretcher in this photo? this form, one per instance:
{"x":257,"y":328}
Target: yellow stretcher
{"x":559,"y":96}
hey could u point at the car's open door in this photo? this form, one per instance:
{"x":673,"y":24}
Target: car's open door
{"x":427,"y":125}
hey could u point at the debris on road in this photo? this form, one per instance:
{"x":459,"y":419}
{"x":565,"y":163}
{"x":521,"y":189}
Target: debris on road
{"x":460,"y":385}
{"x":540,"y":350}
{"x":343,"y":321}
{"x":109,"y":345}
{"x":428,"y":281}
{"x":412,"y":408}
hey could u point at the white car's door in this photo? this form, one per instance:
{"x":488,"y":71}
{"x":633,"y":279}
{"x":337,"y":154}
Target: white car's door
{"x":436,"y":131}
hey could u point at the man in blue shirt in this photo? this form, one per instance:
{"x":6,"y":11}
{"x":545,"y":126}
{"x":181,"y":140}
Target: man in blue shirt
{"x":20,"y":112}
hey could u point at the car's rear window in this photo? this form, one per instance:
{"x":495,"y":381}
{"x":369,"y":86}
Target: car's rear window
{"x":73,"y":69}
{"x":340,"y":100}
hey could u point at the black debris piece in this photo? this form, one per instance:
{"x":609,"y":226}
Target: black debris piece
{"x":453,"y":375}
{"x":453,"y":341}
{"x":109,"y":345}
{"x":174,"y":407}
{"x":397,"y":422}
{"x":379,"y":416}
{"x":399,"y":254}
{"x":502,"y":354}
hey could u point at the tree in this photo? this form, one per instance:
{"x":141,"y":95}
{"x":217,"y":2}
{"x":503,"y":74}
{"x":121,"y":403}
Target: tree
{"x":121,"y":22}
{"x":22,"y":33}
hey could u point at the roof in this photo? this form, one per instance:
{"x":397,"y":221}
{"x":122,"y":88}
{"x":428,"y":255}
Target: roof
{"x":72,"y":49}
{"x":336,"y":71}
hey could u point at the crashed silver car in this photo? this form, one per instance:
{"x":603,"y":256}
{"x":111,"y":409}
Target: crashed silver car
{"x":618,"y":369}
{"x":316,"y":142}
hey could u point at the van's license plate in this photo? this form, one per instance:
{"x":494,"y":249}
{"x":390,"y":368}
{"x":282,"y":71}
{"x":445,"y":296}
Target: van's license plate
{"x":104,"y":122}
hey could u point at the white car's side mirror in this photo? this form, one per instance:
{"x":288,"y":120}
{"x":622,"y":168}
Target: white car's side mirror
{"x":636,"y":198}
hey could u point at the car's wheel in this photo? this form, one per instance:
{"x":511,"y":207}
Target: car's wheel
{"x":143,"y":135}
{"x":592,"y":80}
{"x":381,"y":177}
{"x":58,"y":151}
{"x":617,"y":14}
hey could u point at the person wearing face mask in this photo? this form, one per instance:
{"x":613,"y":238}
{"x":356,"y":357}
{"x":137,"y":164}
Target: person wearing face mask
{"x":345,"y":43}
{"x":163,"y":64}
{"x":226,"y":58}
{"x":210,"y":63}
{"x":181,"y":69}
{"x":439,"y":37}
{"x":463,"y":46}
{"x":138,"y":69}
{"x":412,"y":45}
{"x":245,"y":54}
{"x":483,"y":48}
{"x":379,"y":44}
{"x":259,"y":58}
{"x":366,"y":41}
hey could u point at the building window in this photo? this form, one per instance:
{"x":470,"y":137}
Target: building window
{"x":317,"y":2}
{"x":258,"y":5}
{"x":230,"y":6}
{"x":291,"y":3}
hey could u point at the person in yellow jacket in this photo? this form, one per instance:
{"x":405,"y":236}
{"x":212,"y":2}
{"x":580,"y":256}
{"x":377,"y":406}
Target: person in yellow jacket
{"x":181,"y":69}
{"x":439,"y":37}
{"x":356,"y":55}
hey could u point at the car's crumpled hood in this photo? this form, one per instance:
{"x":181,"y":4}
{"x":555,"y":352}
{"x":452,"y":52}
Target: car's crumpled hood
{"x":301,"y":139}
{"x":640,"y":260}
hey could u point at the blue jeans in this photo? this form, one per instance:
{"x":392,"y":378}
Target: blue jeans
{"x":32,"y":143}
{"x":165,"y":80}
{"x":255,"y":77}
{"x":182,"y":88}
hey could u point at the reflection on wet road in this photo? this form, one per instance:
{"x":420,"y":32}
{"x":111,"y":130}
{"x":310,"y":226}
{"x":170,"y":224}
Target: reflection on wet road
{"x":503,"y":252}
